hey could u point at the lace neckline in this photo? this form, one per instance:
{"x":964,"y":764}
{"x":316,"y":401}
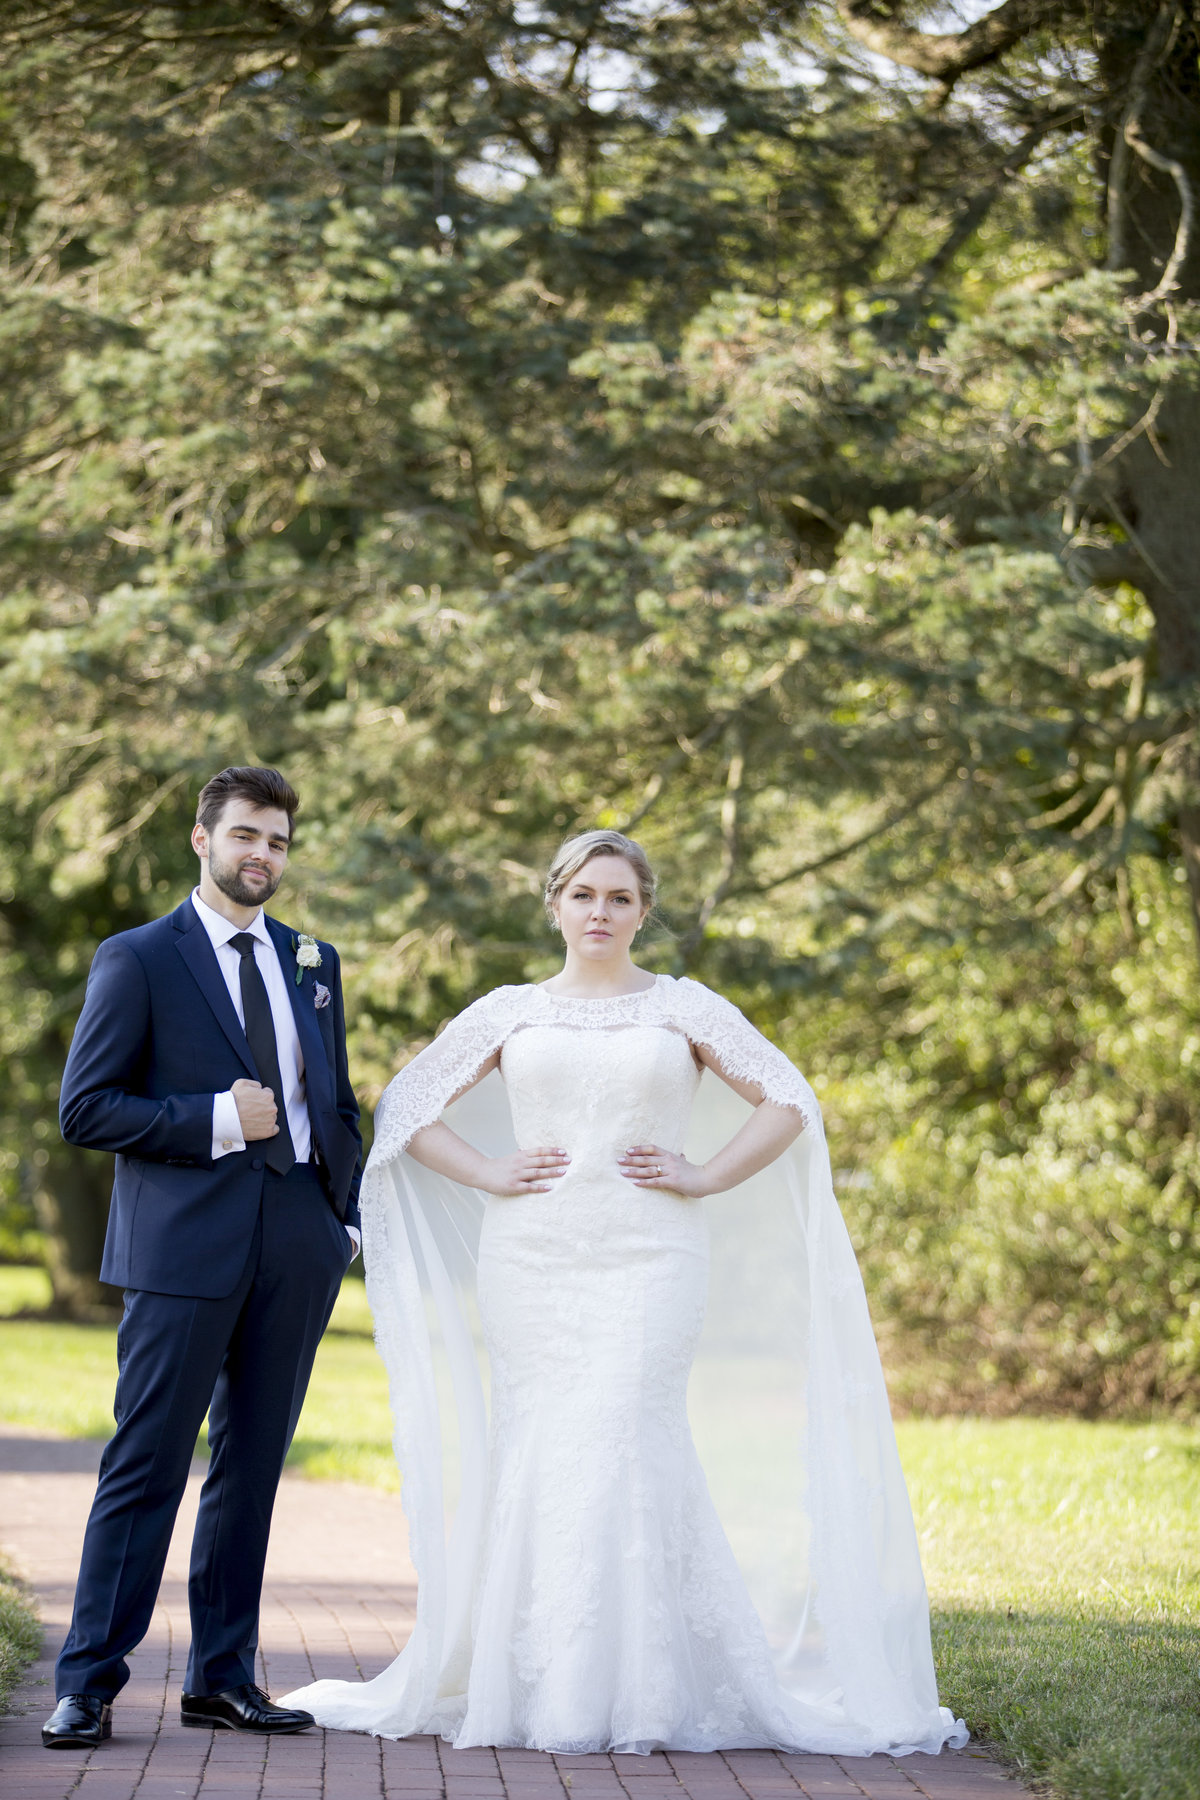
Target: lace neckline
{"x":594,"y":1003}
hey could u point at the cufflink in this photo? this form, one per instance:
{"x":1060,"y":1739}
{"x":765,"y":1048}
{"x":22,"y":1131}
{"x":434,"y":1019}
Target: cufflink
{"x":227,"y":1143}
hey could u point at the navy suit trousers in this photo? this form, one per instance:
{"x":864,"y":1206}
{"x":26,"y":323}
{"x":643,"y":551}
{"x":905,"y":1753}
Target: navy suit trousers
{"x":245,"y":1360}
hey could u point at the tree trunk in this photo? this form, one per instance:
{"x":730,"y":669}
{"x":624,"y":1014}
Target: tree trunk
{"x":71,"y":1201}
{"x":1159,"y":497}
{"x":1150,"y":158}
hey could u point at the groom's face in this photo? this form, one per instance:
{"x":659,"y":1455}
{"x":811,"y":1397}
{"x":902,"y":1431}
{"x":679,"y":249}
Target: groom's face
{"x":246,"y":851}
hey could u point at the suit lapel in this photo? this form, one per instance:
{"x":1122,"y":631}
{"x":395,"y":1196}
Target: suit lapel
{"x":300,"y":993}
{"x":195,"y":947}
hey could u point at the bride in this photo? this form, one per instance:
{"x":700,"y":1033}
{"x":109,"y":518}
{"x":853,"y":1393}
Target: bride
{"x":600,"y":1584}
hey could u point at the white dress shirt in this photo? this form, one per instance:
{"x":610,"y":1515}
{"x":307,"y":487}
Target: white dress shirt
{"x":226,"y":1123}
{"x":227,"y":1126}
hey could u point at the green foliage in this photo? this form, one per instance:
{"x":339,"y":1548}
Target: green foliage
{"x":1024,"y":1197}
{"x":512,"y":422}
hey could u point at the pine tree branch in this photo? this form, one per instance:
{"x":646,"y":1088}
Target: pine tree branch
{"x":265,"y":24}
{"x":943,"y":56}
{"x":730,"y":820}
{"x":976,"y":210}
{"x":1108,"y":565}
{"x":847,"y":849}
{"x":689,"y":748}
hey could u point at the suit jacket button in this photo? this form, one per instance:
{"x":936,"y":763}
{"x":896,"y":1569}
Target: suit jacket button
{"x":257,"y":1163}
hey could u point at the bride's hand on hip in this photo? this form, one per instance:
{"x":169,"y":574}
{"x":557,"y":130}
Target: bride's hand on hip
{"x":525,"y":1172}
{"x":649,"y":1167}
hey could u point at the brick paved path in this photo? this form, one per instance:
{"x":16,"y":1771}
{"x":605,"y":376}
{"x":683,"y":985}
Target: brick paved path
{"x":339,"y":1601}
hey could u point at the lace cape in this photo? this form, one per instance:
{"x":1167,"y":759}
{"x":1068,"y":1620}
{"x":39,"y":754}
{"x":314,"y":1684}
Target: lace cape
{"x":787,"y":1398}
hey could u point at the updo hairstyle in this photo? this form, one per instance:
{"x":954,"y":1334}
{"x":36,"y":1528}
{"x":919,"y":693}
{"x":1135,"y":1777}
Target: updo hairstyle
{"x":580,"y":850}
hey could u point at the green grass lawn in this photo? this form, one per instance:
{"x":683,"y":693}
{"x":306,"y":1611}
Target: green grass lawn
{"x":20,"y":1634}
{"x":1063,"y":1562}
{"x":61,"y":1378}
{"x":1063,"y":1557}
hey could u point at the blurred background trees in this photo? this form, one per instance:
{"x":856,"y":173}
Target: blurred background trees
{"x":768,"y":428}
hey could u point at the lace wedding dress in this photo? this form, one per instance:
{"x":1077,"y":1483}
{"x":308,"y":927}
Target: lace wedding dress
{"x":584,"y":1593}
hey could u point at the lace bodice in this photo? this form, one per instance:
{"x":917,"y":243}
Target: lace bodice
{"x":596,"y":1093}
{"x":422,"y":1089}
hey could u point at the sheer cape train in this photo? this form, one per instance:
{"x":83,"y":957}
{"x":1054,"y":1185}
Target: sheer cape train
{"x":787,"y":1401}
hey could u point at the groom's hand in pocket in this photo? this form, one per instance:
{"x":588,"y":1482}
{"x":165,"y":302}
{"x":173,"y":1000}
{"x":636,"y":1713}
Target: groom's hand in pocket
{"x":256,"y":1110}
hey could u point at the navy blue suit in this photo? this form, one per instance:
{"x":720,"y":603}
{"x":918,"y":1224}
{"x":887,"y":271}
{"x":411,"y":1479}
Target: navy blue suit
{"x":230,"y":1274}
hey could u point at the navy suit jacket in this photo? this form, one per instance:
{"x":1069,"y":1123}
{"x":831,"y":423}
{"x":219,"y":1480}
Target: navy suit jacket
{"x":158,"y":1037}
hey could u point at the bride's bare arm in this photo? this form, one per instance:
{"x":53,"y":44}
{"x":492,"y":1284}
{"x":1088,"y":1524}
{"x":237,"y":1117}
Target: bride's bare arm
{"x":765,"y":1135}
{"x":439,"y":1148}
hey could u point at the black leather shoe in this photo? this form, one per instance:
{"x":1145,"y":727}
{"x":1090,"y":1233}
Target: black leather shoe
{"x":78,"y":1722}
{"x":241,"y":1709}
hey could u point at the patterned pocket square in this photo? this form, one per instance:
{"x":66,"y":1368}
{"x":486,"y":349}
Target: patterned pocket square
{"x":321,"y":995}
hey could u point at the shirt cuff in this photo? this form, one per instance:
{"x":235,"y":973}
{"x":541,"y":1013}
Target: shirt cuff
{"x":355,"y":1237}
{"x":226,"y":1127}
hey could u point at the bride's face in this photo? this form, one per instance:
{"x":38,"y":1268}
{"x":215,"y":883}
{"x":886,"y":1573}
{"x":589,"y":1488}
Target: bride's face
{"x":599,"y":911}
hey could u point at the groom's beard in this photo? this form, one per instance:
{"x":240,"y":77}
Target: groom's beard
{"x":228,"y":877}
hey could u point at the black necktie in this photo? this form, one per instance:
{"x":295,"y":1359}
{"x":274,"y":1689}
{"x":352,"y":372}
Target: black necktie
{"x":280,"y":1152}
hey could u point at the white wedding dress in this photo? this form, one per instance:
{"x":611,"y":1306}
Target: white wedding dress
{"x":583,"y":1594}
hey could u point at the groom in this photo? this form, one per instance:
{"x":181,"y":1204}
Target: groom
{"x":211,"y":1057}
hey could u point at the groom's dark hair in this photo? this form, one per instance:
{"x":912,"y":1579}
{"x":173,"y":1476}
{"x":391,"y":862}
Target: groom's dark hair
{"x":261,"y":787}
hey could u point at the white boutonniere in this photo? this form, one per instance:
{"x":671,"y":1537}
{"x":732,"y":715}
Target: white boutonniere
{"x":308,"y":954}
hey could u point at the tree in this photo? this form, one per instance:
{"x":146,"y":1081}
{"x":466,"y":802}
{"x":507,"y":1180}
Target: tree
{"x":675,"y":417}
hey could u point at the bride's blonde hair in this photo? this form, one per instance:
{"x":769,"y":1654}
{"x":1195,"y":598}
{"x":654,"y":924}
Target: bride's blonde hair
{"x":576,"y":851}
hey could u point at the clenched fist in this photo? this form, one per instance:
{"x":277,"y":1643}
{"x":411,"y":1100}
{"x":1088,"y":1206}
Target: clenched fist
{"x":256,"y":1110}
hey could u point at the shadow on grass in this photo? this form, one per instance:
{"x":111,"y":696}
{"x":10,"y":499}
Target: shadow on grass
{"x":1101,"y":1708}
{"x":80,"y":1455}
{"x":96,"y":1318}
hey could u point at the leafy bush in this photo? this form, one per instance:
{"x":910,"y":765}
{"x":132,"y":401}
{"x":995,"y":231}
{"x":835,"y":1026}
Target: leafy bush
{"x":1024,"y":1185}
